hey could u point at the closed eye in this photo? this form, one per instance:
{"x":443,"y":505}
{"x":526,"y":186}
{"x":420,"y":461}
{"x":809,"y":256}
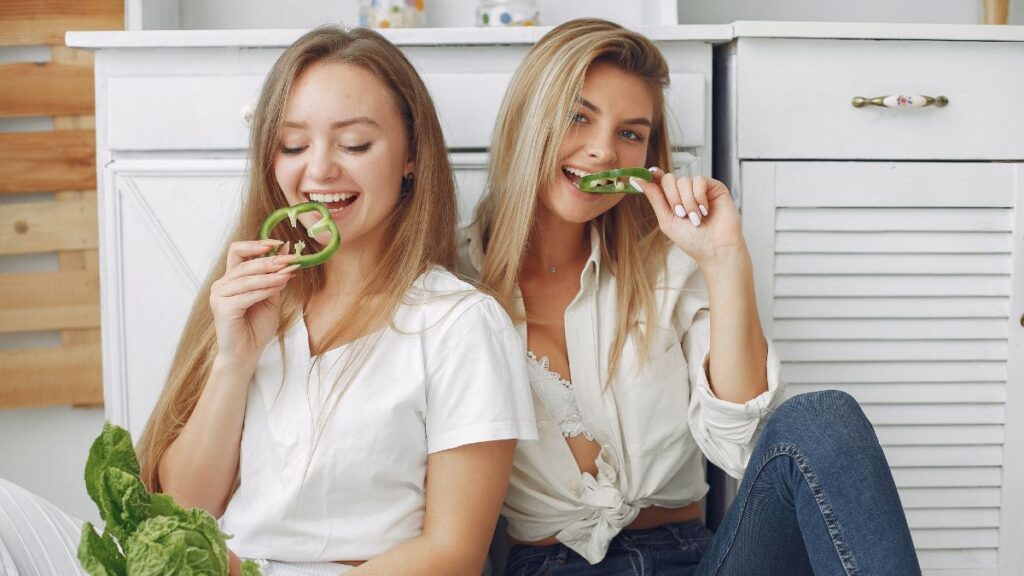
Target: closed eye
{"x":297,"y":150}
{"x":357,"y":149}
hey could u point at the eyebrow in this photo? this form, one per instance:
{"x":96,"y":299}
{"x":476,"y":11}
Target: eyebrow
{"x":336,"y":125}
{"x":639,"y":120}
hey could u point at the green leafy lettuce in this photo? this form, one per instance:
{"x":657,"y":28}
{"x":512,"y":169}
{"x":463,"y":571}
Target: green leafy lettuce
{"x":145,"y":534}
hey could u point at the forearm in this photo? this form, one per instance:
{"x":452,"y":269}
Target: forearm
{"x":739,"y":352}
{"x":199,"y":467}
{"x":425,"y":556}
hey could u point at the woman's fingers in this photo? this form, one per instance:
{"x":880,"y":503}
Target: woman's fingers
{"x":700,"y":194}
{"x":252,"y":283}
{"x":685,"y":186}
{"x":243,"y":250}
{"x":268,"y":265}
{"x":247,"y":300}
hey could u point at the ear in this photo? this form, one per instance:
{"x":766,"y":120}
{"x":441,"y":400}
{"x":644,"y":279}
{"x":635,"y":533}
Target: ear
{"x":409,"y":167}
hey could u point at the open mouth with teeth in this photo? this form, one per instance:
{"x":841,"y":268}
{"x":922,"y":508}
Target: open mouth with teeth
{"x":610,"y":181}
{"x":334,"y":202}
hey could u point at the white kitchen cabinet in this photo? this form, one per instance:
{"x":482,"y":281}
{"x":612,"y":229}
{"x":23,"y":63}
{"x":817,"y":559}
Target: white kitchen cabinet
{"x":888,"y":247}
{"x":171,"y":145}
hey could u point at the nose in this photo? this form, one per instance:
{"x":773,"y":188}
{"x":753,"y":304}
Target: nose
{"x":601,"y":147}
{"x":322,"y":164}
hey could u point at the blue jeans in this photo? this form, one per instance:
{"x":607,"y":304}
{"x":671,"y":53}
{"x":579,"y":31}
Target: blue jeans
{"x":817,"y":498}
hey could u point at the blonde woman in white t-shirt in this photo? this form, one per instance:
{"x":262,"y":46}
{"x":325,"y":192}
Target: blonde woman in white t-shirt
{"x":646,"y":350}
{"x":363,"y":412}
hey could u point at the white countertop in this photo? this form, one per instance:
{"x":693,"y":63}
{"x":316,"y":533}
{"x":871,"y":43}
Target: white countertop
{"x":716,"y":34}
{"x":400,"y":36}
{"x":877,"y":31}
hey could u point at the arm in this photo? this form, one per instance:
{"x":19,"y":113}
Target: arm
{"x":200,"y":466}
{"x":465,"y":488}
{"x":713,"y":237}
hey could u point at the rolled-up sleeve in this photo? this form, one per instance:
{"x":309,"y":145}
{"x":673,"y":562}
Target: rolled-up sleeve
{"x":725,"y":431}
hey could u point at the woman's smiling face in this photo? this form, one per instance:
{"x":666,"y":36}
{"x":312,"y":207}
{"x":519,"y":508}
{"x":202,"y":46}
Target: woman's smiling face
{"x":610,"y":129}
{"x":343,"y":143}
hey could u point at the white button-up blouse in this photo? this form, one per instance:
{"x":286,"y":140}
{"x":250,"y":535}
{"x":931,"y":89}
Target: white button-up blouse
{"x":654,"y":420}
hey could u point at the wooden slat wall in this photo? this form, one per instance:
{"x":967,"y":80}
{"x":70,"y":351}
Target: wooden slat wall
{"x":62,"y":162}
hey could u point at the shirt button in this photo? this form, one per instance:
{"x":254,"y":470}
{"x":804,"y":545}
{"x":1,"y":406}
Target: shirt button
{"x":542,"y":424}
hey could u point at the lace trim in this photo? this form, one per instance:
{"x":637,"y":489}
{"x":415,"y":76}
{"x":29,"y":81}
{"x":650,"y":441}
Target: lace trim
{"x":557,"y":395}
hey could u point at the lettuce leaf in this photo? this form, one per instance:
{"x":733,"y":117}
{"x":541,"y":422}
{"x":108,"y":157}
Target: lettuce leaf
{"x":189,"y":546}
{"x":100,"y":556}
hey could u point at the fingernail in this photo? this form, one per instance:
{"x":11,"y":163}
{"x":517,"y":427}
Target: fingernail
{"x":636,"y":185}
{"x":695,"y":218}
{"x":703,"y":209}
{"x":680,"y":211}
{"x":653,"y":169}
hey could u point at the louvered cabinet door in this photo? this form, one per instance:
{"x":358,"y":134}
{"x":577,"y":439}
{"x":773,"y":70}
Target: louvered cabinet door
{"x":901,"y":283}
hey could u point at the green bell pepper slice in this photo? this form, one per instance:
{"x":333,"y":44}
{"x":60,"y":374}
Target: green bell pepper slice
{"x":619,"y":186}
{"x":292,"y":214}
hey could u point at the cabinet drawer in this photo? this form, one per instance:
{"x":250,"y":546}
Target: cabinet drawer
{"x":205,"y":111}
{"x":795,"y":99}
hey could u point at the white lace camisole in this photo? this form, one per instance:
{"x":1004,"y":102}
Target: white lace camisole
{"x":557,"y":396}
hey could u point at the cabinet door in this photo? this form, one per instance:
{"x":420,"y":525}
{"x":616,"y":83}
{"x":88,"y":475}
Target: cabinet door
{"x":163,"y":224}
{"x":900,"y":283}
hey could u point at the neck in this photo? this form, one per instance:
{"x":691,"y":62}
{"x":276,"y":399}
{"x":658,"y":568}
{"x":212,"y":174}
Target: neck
{"x":347,"y":271}
{"x":554,"y":242}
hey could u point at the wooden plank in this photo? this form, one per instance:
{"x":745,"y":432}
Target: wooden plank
{"x":942,"y":477}
{"x":841,"y":372}
{"x":46,"y":89}
{"x":915,"y":498}
{"x":969,"y":307}
{"x":915,"y":392}
{"x":48,"y":376}
{"x":857,"y":286}
{"x":889,"y":350}
{"x":47,"y":161}
{"x":940,"y":435}
{"x":944,"y":562}
{"x":895,"y":219}
{"x":896,"y":329}
{"x":943,"y":456}
{"x":48,"y":226}
{"x":45,"y":21}
{"x":942,"y":518}
{"x":924,"y":264}
{"x":933,"y":539}
{"x":49,"y":301}
{"x":78,"y":260}
{"x":938,"y":414}
{"x":895,"y":242}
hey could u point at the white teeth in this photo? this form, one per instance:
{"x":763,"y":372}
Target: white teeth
{"x":576,"y":171}
{"x":329,"y":197}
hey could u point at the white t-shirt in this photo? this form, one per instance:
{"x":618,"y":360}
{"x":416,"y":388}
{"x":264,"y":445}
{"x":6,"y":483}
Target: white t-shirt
{"x":449,"y":371}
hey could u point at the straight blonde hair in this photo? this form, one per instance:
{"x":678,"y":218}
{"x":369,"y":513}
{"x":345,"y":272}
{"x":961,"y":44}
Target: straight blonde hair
{"x":421,"y":229}
{"x":534,"y":118}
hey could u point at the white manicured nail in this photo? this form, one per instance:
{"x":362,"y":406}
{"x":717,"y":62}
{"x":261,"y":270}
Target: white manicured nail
{"x":703,"y":209}
{"x":695,"y":218}
{"x":635,"y":184}
{"x":680,"y":211}
{"x":652,"y":169}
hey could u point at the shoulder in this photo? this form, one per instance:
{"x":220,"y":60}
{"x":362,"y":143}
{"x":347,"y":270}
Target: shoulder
{"x":440,"y":300}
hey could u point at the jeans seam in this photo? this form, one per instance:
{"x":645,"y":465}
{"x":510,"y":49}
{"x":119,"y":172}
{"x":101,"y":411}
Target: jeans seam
{"x":831,"y":522}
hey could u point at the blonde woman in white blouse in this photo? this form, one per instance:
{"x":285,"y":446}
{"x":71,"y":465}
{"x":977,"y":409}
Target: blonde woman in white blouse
{"x":646,"y":353}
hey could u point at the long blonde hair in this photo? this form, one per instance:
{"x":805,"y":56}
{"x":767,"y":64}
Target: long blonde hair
{"x":421,"y":229}
{"x":533,"y":120}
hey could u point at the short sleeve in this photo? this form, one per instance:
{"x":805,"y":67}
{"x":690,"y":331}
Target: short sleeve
{"x":478,"y":387}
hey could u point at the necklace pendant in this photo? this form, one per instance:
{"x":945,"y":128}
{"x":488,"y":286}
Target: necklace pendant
{"x":552,"y":269}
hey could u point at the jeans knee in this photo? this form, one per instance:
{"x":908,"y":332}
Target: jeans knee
{"x":829,"y":416}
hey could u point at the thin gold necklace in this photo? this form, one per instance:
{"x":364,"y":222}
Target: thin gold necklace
{"x":554,"y":269}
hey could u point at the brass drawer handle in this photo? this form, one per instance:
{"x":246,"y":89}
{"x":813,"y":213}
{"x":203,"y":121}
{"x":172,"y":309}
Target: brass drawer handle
{"x":901,"y":101}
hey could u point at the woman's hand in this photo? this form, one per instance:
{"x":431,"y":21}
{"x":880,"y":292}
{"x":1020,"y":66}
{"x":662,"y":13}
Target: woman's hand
{"x":246,"y":300}
{"x":697,"y":214}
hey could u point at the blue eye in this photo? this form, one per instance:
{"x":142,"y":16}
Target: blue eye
{"x":631,"y":135}
{"x":579,"y":118}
